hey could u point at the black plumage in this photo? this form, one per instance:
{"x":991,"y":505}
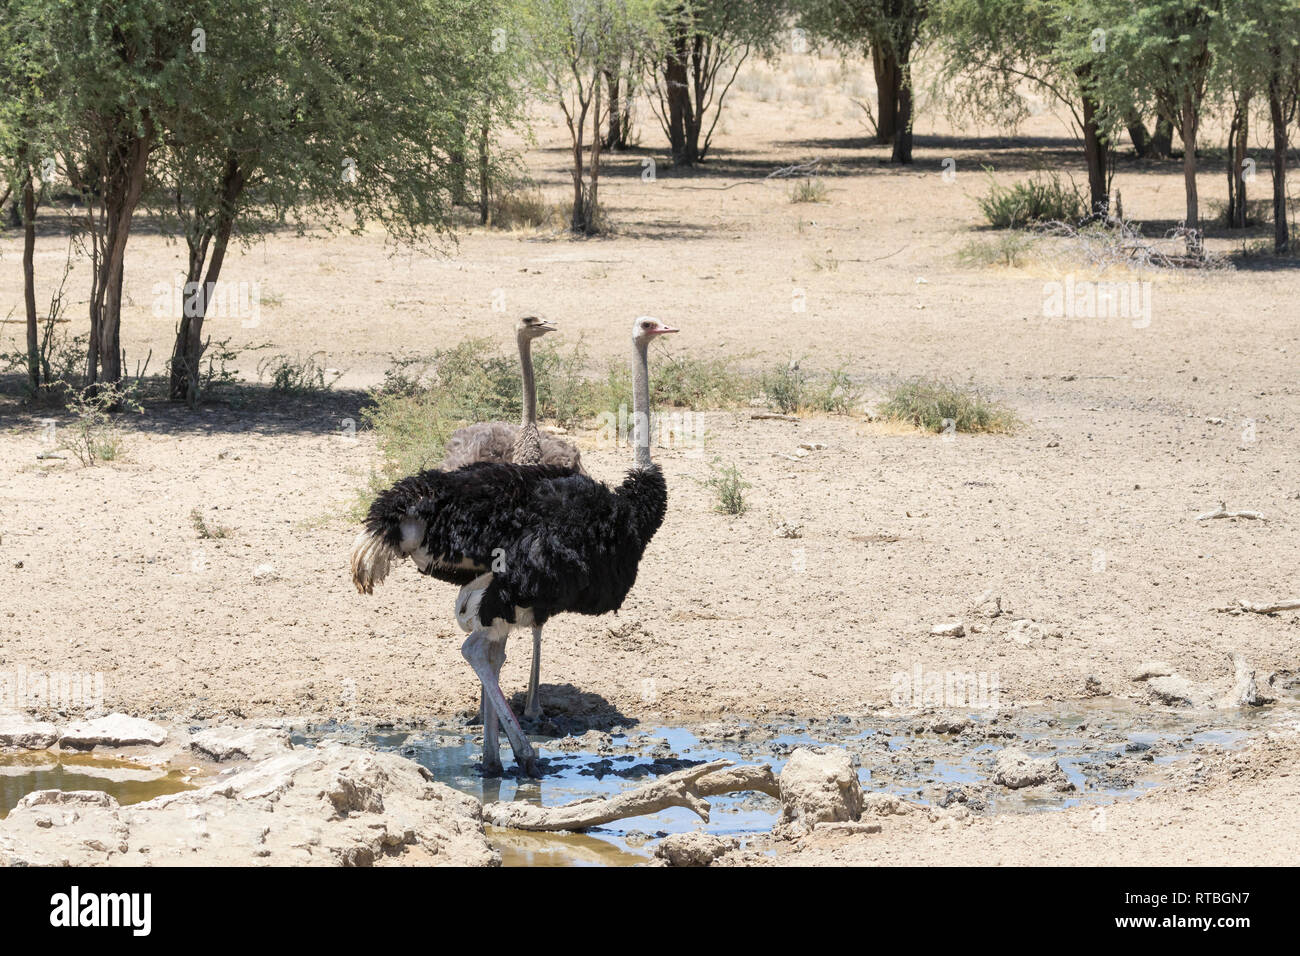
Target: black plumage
{"x":555,"y":540}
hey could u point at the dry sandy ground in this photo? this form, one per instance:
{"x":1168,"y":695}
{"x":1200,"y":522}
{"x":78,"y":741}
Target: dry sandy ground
{"x":1083,"y":521}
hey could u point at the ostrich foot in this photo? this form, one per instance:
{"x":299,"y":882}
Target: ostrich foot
{"x":478,"y":652}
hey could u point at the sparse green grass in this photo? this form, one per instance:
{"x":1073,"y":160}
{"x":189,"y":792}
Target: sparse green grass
{"x":809,"y":190}
{"x":1010,"y":248}
{"x":426,"y":398}
{"x":205,"y":530}
{"x":941,"y":406}
{"x":1045,"y":198}
{"x":728,"y":489}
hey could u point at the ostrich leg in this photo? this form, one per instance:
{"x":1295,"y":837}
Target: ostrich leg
{"x":478,"y":651}
{"x":533,"y":706}
{"x":491,"y":724}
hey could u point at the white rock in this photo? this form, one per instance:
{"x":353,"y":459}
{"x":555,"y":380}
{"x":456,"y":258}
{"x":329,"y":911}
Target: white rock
{"x":951,"y":629}
{"x":1152,"y":669}
{"x":324,"y":806}
{"x":115,"y":730}
{"x":1015,"y":769}
{"x":693,"y":849}
{"x":817,"y":788}
{"x":240,"y":743}
{"x":21,"y":730}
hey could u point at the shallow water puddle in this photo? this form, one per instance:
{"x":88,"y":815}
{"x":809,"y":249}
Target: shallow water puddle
{"x":125,"y":781}
{"x":1108,"y":750}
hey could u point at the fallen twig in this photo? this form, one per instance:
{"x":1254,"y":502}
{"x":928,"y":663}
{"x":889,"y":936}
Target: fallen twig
{"x":684,"y":788}
{"x":1223,"y":512}
{"x":1250,"y":607}
{"x":779,"y":417}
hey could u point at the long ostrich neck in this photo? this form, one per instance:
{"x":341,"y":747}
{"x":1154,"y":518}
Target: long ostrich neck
{"x":641,"y":402}
{"x":530,"y":389}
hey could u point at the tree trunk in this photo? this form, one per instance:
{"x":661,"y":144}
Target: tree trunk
{"x":613,"y":140}
{"x":1094,"y":152}
{"x":29,"y":273}
{"x":903,"y":133}
{"x":1137,"y":132}
{"x":592,"y":210}
{"x":1281,"y":230}
{"x":1162,"y":138}
{"x":125,"y":184}
{"x":484,"y":167}
{"x":679,"y":99}
{"x":578,"y":217}
{"x":1190,"y":119}
{"x":187,"y":351}
{"x":1237,"y":146}
{"x":888,"y":83}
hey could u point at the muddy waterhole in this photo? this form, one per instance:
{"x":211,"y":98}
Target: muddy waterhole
{"x":1108,"y":750}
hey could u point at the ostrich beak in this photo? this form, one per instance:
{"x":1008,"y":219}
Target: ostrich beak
{"x":663,"y":329}
{"x":546,"y":325}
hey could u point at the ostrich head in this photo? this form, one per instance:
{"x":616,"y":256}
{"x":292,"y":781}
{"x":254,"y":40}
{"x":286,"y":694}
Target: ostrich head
{"x":647,"y":327}
{"x":533,"y":326}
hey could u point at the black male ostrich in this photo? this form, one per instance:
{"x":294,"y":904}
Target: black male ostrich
{"x":521,"y":444}
{"x":526,"y":542}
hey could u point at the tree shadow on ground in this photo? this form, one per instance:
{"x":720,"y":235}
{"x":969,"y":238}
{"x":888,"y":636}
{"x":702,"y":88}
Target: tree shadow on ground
{"x":235,"y":409}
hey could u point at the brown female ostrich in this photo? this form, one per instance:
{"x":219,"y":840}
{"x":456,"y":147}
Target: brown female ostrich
{"x":527,"y":542}
{"x":519,"y":444}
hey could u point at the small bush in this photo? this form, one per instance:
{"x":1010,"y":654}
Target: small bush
{"x":521,"y":207}
{"x":93,"y":434}
{"x":728,"y":487}
{"x":809,"y":190}
{"x":204,"y":529}
{"x":1045,"y":198}
{"x":785,"y":388}
{"x":940,"y":407}
{"x":836,"y":395}
{"x":1010,"y":248}
{"x":297,"y":376}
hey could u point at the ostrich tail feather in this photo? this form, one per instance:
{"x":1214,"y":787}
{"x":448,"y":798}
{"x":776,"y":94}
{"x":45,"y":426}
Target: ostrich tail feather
{"x":371,"y":557}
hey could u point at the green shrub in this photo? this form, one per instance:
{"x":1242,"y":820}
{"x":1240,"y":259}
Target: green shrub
{"x":1045,"y":198}
{"x":728,"y":488}
{"x":939,"y":407}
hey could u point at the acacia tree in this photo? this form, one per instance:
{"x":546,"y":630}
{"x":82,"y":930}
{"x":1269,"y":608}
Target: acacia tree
{"x":120,"y":67}
{"x":28,"y":116}
{"x":1259,"y":57}
{"x":1159,"y":54}
{"x":695,"y":60}
{"x":313,"y":110}
{"x":892,"y":31}
{"x":991,"y":46}
{"x":574,"y":44}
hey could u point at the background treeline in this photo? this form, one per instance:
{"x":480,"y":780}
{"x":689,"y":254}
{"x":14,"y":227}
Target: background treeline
{"x":226,"y":119}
